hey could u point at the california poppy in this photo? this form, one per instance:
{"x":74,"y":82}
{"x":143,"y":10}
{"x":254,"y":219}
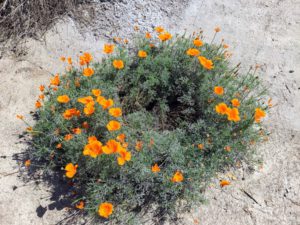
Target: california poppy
{"x":108,"y":48}
{"x":206,"y":63}
{"x":192,"y":52}
{"x":142,"y":54}
{"x":155,"y":168}
{"x":177,"y":177}
{"x":219,"y":90}
{"x":88,"y":72}
{"x":116,"y":112}
{"x":113,"y":125}
{"x":259,"y":114}
{"x":221,"y":108}
{"x":63,"y":99}
{"x":71,"y":170}
{"x":118,"y":64}
{"x":105,"y":209}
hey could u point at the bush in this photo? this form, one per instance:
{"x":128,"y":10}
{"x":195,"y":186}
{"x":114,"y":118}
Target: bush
{"x":147,"y":128}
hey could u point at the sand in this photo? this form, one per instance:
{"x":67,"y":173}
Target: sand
{"x":264,"y":32}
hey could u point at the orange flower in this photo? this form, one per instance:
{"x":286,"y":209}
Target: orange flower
{"x":105,"y":209}
{"x":108,"y":48}
{"x":227,"y":148}
{"x":38,"y":104}
{"x":96,"y":92}
{"x":124,"y":156}
{"x":86,"y":58}
{"x":93,"y":148}
{"x":217,"y":29}
{"x":126,"y":41}
{"x":219,"y":90}
{"x":55,"y":80}
{"x":233,"y":115}
{"x":76,"y":130}
{"x":42,"y":88}
{"x":121,"y":137}
{"x":192,"y":52}
{"x":113,"y":125}
{"x":221,"y":108}
{"x":224,"y":183}
{"x":88,"y":72}
{"x":165,"y":36}
{"x":116,"y":112}
{"x":71,"y":170}
{"x":201,"y":146}
{"x":259,"y":114}
{"x":178,"y":177}
{"x":27,"y":163}
{"x":198,"y":42}
{"x":70,"y":60}
{"x":85,"y":125}
{"x":89,"y":108}
{"x":225,"y":46}
{"x":54,"y":88}
{"x":111,"y":147}
{"x":20,"y":117}
{"x":142,"y":54}
{"x":69,"y":113}
{"x":68,"y":137}
{"x":159,"y":29}
{"x":62,"y":58}
{"x":206,"y":63}
{"x":59,"y":146}
{"x":105,"y":103}
{"x":63,"y":99}
{"x":80,"y":205}
{"x":118,"y":64}
{"x":139,"y":145}
{"x":155,"y":168}
{"x":235,"y":102}
{"x":41,"y":97}
{"x":29,"y":129}
{"x":85,"y":100}
{"x":148,"y":35}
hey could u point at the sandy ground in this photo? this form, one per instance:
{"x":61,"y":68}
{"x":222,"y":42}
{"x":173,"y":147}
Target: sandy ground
{"x":266,"y":32}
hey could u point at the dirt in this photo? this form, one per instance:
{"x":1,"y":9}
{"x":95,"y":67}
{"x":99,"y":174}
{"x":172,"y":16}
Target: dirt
{"x":264,"y":32}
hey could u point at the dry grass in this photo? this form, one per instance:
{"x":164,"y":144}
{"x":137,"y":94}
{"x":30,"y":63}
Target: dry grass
{"x":30,"y":18}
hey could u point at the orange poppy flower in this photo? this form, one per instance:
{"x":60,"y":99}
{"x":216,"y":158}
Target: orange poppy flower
{"x":233,"y":115}
{"x":105,"y":103}
{"x":159,"y":29}
{"x":70,"y":60}
{"x":192,"y":52}
{"x":20,"y":117}
{"x":148,"y":35}
{"x":108,"y":48}
{"x":42,"y":88}
{"x":55,"y":80}
{"x":118,"y":64}
{"x":155,"y":168}
{"x":80,"y":205}
{"x":76,"y":130}
{"x":224,"y":183}
{"x":96,"y":92}
{"x":201,"y":146}
{"x":221,"y":108}
{"x":88,"y":72}
{"x":63,"y":99}
{"x":69,"y":113}
{"x":227,"y":148}
{"x":27,"y":163}
{"x":113,"y":125}
{"x":198,"y":42}
{"x":177,"y":177}
{"x":111,"y":147}
{"x":206,"y":63}
{"x":85,"y":100}
{"x":71,"y":170}
{"x":38,"y":104}
{"x":105,"y":209}
{"x":124,"y":156}
{"x":89,"y":108}
{"x":219,"y":90}
{"x":121,"y":137}
{"x":116,"y":112}
{"x":165,"y":36}
{"x":259,"y":114}
{"x":225,"y":46}
{"x":93,"y":148}
{"x":142,"y":54}
{"x":62,"y":58}
{"x":87,"y":57}
{"x":59,"y":146}
{"x":139,"y":145}
{"x":217,"y":29}
{"x":68,"y":137}
{"x":42,"y":97}
{"x":235,"y":102}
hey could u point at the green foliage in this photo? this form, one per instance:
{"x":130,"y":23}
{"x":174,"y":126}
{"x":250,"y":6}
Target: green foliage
{"x":168,"y":105}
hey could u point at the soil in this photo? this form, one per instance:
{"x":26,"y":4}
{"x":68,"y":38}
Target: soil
{"x":264,"y":32}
